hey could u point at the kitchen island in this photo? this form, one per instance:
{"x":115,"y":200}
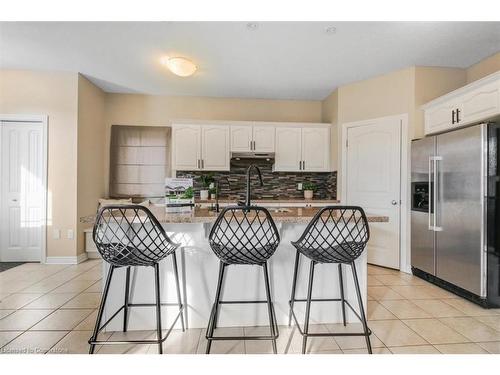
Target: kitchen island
{"x":199,"y":267}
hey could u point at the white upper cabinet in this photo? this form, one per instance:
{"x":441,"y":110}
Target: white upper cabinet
{"x":481,"y":103}
{"x":200,"y":147}
{"x":215,"y":147}
{"x":302,"y":149}
{"x":470,"y":104}
{"x":288,"y":155}
{"x":258,"y":138}
{"x":263,"y":138}
{"x":315,"y":149}
{"x":241,"y":138}
{"x":298,"y":147}
{"x":186,"y":147}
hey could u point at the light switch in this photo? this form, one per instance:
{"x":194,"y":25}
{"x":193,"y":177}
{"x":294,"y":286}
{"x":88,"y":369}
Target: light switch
{"x":71,"y":234}
{"x":299,"y":186}
{"x":56,"y":234}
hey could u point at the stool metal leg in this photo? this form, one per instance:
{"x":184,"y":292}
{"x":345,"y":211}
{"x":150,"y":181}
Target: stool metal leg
{"x":362,"y":310}
{"x":270,"y":309}
{"x":101,"y":309}
{"x":308,"y":306}
{"x":176,"y":275}
{"x":158,"y":307}
{"x":294,"y":285}
{"x":215,"y":308}
{"x":127,"y":293}
{"x":342,"y":299}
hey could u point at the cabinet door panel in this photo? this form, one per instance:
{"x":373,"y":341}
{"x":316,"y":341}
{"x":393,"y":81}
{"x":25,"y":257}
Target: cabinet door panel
{"x":263,"y":137}
{"x":215,"y":147}
{"x":480,"y":104}
{"x":439,"y":118}
{"x":315,"y":149}
{"x":288,"y":149}
{"x":186,"y":147}
{"x":241,"y":136}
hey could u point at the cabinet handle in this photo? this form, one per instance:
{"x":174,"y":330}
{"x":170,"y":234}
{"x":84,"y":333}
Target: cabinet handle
{"x":198,"y":163}
{"x":303,"y":165}
{"x":458,"y":114}
{"x":453,"y":117}
{"x":254,"y":145}
{"x":202,"y":164}
{"x":300,"y":165}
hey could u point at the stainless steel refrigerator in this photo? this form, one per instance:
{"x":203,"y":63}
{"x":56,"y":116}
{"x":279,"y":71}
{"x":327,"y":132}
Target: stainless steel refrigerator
{"x":454,"y":211}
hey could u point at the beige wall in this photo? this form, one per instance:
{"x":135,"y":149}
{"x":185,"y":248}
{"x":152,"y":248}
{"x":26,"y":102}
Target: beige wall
{"x":54,"y":95}
{"x":399,"y":92}
{"x":484,"y":68}
{"x":431,"y":83}
{"x":151,"y":110}
{"x":330,"y":114}
{"x":91,"y":151}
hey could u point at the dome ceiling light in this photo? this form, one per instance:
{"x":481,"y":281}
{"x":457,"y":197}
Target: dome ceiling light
{"x":180,"y":66}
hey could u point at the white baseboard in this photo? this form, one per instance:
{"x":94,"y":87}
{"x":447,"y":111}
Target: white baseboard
{"x":93,"y":255}
{"x":67,"y":260}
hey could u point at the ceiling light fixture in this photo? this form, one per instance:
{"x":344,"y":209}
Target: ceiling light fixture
{"x":180,"y":66}
{"x":331,"y":30}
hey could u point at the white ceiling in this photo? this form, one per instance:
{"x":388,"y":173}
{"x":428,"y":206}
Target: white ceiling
{"x":278,"y":60}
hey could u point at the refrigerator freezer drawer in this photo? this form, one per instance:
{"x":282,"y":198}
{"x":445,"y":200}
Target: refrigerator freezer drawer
{"x":422,"y":243}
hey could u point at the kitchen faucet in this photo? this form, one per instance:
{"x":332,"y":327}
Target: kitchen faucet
{"x":247,"y":200}
{"x":217,"y":207}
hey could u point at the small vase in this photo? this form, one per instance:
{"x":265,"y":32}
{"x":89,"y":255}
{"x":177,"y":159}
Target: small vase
{"x":212,"y":196}
{"x":308,"y":194}
{"x":204,"y":195}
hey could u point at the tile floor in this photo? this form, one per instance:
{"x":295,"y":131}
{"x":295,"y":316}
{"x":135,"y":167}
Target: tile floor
{"x":52,"y":309}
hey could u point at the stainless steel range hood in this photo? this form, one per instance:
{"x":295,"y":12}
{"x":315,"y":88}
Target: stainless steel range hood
{"x":252,"y":155}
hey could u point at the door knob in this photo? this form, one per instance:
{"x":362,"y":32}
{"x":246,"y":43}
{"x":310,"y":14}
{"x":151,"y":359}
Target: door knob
{"x":394,"y":202}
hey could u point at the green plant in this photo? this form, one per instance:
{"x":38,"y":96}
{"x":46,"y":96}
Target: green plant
{"x":207,"y":179}
{"x":309,"y":186}
{"x":212,"y":190}
{"x":188,"y":193}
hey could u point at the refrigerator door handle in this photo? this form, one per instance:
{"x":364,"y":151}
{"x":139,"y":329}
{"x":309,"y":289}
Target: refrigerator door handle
{"x":429,"y":208}
{"x":436,"y":193}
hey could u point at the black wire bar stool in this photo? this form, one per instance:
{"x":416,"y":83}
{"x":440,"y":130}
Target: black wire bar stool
{"x":243,"y":235}
{"x":131,"y":236}
{"x":336,"y":234}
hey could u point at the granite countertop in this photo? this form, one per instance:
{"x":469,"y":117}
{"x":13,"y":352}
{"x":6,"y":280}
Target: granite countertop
{"x":279,"y":200}
{"x":295,"y":215}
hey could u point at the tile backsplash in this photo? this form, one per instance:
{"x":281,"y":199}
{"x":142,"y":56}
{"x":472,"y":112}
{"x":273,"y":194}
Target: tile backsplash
{"x":277,"y":185}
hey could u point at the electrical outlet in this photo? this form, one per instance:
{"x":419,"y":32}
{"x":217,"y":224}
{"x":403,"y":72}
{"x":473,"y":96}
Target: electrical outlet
{"x":70,"y":234}
{"x":299,"y":186}
{"x":56,"y":234}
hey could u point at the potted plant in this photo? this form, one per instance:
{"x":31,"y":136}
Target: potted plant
{"x":309,"y":189}
{"x":206,"y":181}
{"x":212,"y":192}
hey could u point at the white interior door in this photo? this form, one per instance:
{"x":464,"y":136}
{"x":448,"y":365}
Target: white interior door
{"x":22,"y":187}
{"x":373,"y":182}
